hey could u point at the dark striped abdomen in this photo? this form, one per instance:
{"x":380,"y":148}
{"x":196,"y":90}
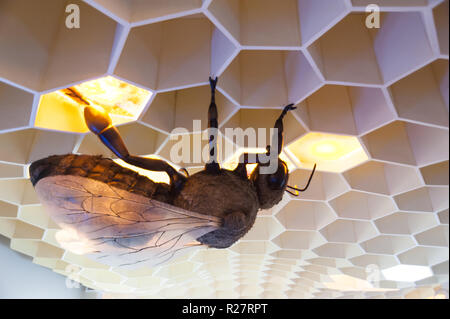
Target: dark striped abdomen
{"x":101,"y":169}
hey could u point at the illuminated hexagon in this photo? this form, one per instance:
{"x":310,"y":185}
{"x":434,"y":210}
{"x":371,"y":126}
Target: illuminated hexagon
{"x":63,"y":109}
{"x":331,"y":153}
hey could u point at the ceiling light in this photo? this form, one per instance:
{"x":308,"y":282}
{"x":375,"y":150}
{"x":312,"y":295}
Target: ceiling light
{"x":63,"y":109}
{"x":331,"y":152}
{"x":407,"y":273}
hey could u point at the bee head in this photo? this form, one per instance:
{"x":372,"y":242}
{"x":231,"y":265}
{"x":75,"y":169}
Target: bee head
{"x":270,"y":187}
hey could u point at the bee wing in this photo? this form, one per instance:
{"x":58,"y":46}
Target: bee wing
{"x":117,"y":227}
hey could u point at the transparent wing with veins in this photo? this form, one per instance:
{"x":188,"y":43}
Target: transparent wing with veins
{"x":117,"y":227}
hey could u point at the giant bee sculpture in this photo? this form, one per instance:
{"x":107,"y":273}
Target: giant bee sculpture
{"x":121,"y":218}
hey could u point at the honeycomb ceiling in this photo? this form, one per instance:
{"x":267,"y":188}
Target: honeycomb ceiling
{"x":386,"y":87}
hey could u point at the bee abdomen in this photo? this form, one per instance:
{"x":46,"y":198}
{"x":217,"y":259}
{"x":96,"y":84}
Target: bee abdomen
{"x":98,"y":168}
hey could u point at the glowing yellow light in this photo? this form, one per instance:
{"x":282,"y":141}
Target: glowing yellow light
{"x":326,"y":149}
{"x":157,"y":177}
{"x":334,"y":153}
{"x":63,"y":109}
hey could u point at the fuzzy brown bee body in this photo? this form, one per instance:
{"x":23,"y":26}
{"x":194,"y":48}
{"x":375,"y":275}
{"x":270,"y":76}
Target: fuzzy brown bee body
{"x":126,"y":219}
{"x":230,"y":196}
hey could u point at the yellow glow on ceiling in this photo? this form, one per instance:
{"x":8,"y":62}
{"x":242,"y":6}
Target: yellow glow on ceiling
{"x":333,"y":153}
{"x":157,"y":177}
{"x":233,"y":161}
{"x":63,"y":109}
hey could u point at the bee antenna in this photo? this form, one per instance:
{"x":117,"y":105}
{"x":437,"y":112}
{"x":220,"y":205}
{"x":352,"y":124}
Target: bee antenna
{"x":307,"y":184}
{"x":293,"y":194}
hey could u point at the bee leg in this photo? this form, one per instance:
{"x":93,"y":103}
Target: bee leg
{"x":213,"y":124}
{"x":279,"y":126}
{"x":100,"y":124}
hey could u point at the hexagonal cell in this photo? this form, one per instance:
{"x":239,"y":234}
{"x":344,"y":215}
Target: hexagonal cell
{"x":265,"y":228}
{"x":64,"y":109}
{"x":7,"y":227}
{"x":329,"y":262}
{"x":50,"y":54}
{"x":350,"y":52}
{"x":408,"y":143}
{"x":356,"y":272}
{"x":348,"y":231}
{"x":310,"y":276}
{"x":425,"y":199}
{"x":440,"y":13}
{"x":386,"y":244}
{"x":305,"y":215}
{"x":15,"y":107}
{"x":418,"y":96}
{"x":256,"y":125}
{"x":318,"y":269}
{"x":293,"y":254}
{"x":18,"y":191}
{"x":28,"y":247}
{"x":345,"y":110}
{"x":101,"y":276}
{"x":259,"y":22}
{"x":331,"y":152}
{"x":339,"y":250}
{"x":323,"y":185}
{"x":46,"y":262}
{"x":175,"y":53}
{"x":262,"y":23}
{"x":424,"y":256}
{"x":82,"y":261}
{"x":211,"y":256}
{"x":149,"y":10}
{"x":437,"y":236}
{"x":139,"y":140}
{"x":402,"y":223}
{"x":435,"y":174}
{"x":49,"y":251}
{"x":8,"y":171}
{"x":441,"y":269}
{"x":8,"y":210}
{"x":28,"y":145}
{"x":277,"y":273}
{"x":299,"y":240}
{"x":36,"y":215}
{"x":383,"y":178}
{"x":281,"y":267}
{"x":381,"y":261}
{"x":358,"y":205}
{"x":443,"y":217}
{"x":192,"y":150}
{"x":176,"y":109}
{"x":267,"y":78}
{"x":254,"y":247}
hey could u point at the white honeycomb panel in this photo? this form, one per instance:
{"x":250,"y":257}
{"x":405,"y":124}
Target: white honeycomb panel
{"x":386,"y":88}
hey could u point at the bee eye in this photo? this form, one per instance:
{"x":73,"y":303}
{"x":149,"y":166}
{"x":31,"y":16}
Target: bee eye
{"x":279,"y":179}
